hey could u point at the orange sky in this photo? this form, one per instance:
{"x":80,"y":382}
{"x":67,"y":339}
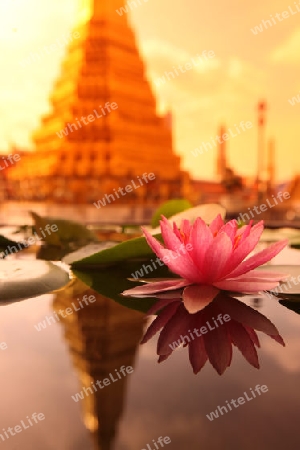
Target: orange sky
{"x":226,"y":88}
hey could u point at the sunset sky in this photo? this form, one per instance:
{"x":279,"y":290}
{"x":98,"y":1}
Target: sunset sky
{"x":224,"y":89}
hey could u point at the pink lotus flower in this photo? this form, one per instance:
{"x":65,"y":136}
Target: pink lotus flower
{"x":210,"y":259}
{"x":178,"y":327}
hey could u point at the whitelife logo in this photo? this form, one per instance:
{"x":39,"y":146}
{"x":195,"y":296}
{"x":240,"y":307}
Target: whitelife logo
{"x":3,"y":346}
{"x":199,"y":332}
{"x":32,"y":240}
{"x":256,"y":210}
{"x":129,"y":188}
{"x":48,"y":49}
{"x":49,"y":320}
{"x":129,"y":6}
{"x":283,"y":288}
{"x":166,"y":259}
{"x":25,"y":424}
{"x":90,"y":118}
{"x":106,"y":381}
{"x":241,"y":401}
{"x":9,"y":161}
{"x":294,"y":100}
{"x":183,"y":68}
{"x":161,"y":441}
{"x":279,"y":17}
{"x":206,"y":146}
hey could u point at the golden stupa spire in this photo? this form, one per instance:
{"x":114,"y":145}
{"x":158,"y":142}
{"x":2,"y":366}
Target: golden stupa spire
{"x":99,"y":9}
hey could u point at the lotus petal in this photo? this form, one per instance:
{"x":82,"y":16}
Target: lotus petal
{"x":198,"y":297}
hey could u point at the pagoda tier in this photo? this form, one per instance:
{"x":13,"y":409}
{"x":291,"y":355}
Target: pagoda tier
{"x":103,"y":126}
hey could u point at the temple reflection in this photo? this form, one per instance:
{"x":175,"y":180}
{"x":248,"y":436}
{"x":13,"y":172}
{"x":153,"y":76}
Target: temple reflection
{"x":102,"y":336}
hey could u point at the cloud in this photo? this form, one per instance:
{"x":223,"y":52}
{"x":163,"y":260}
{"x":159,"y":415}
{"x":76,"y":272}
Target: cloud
{"x":221,"y":89}
{"x":162,"y":57}
{"x":289,"y":51}
{"x":224,"y":92}
{"x":214,"y":81}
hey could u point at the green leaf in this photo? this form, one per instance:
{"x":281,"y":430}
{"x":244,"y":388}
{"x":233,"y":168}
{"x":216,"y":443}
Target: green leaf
{"x":112,"y":281}
{"x":4,"y":243}
{"x":68,"y":231}
{"x":241,"y":224}
{"x":52,"y":253}
{"x":25,"y":229}
{"x":136,"y":248}
{"x":169,"y":209}
{"x":21,"y":279}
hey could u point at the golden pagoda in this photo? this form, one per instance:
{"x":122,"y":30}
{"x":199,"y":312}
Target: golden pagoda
{"x":103,"y":130}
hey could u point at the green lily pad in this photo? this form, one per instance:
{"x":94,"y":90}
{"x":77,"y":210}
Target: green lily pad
{"x":208,"y":212}
{"x":112,"y":281}
{"x":21,"y":279}
{"x":5,"y":243}
{"x":169,"y":209}
{"x":86,"y":251}
{"x":67,"y":231}
{"x":136,"y":248}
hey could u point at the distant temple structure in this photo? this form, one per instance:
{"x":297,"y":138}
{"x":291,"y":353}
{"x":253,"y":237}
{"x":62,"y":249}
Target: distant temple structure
{"x":103,"y":130}
{"x":271,"y":166}
{"x":221,"y":157}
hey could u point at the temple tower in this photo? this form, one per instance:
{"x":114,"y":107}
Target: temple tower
{"x":221,"y":158}
{"x":271,"y":164}
{"x":80,"y":155}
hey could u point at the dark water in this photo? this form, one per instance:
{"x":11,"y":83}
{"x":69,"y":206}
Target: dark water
{"x":42,"y":370}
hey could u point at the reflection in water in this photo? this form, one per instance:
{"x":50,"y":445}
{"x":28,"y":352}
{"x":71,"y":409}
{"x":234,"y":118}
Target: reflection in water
{"x":102,"y":337}
{"x":210,"y":333}
{"x":257,"y":302}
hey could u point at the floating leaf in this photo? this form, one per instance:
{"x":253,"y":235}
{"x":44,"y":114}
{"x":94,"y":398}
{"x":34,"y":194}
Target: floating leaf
{"x":20,"y":279}
{"x":169,"y":209}
{"x":207,"y":212}
{"x":136,"y":248}
{"x":27,"y":230}
{"x":87,"y":250}
{"x":5,"y":243}
{"x":111,"y":281}
{"x":67,"y":232}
